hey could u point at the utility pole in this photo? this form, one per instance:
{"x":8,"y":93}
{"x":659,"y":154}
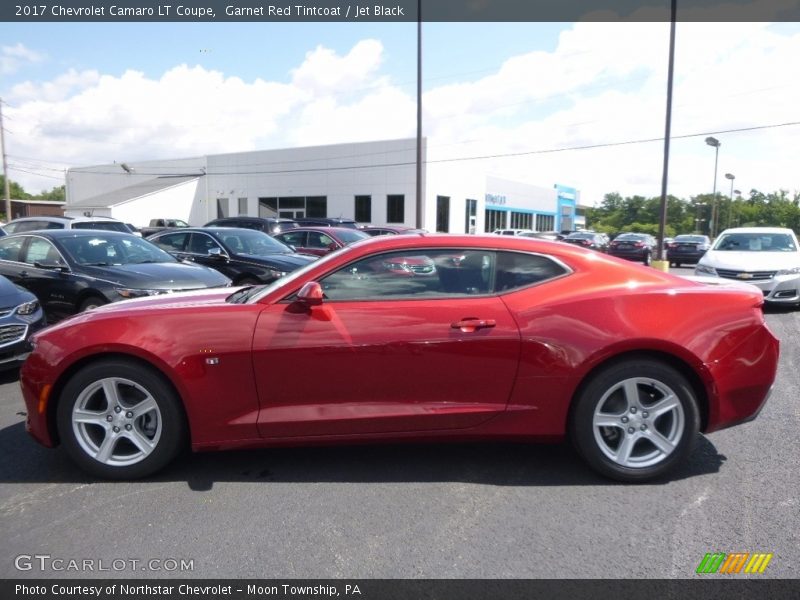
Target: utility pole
{"x":419,"y":117}
{"x":7,"y":191}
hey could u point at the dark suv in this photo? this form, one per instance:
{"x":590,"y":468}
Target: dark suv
{"x":268,"y":225}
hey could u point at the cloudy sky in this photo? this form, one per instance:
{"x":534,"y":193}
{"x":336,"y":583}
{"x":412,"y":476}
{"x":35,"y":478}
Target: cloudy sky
{"x":543,"y":103}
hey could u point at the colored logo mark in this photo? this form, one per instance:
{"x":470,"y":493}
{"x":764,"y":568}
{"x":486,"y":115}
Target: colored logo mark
{"x":738,"y":562}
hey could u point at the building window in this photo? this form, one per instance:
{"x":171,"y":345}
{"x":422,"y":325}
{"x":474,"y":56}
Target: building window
{"x":267,"y":207}
{"x":316,"y":206}
{"x":495,"y":219}
{"x":395,"y":208}
{"x":521,"y":220}
{"x":242,"y":206}
{"x":545,"y":223}
{"x":223,"y":210}
{"x":470,"y":215}
{"x":442,"y":214}
{"x":363,"y":211}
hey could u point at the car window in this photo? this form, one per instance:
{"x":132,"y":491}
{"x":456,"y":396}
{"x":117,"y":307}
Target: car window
{"x":202,"y":243}
{"x":516,"y":270}
{"x":11,"y":248}
{"x":413,"y":274}
{"x":23,"y":226}
{"x":109,"y":249}
{"x":293,"y":238}
{"x":318,"y":240}
{"x":252,"y":243}
{"x":172,"y":242}
{"x":102,"y":225}
{"x":42,"y":251}
{"x":756,"y":242}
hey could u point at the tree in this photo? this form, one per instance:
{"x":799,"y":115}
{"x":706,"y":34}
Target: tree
{"x":16,"y":190}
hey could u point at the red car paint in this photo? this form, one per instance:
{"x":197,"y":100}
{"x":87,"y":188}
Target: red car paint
{"x":404,"y":369}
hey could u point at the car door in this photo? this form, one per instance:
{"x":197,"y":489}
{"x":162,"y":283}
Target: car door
{"x":205,"y":250}
{"x":401,"y":343}
{"x":295,"y":239}
{"x":57,"y":289}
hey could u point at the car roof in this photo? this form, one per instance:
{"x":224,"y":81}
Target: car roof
{"x":65,"y":233}
{"x":758,"y":230}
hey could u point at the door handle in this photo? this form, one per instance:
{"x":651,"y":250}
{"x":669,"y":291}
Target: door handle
{"x":471,"y":324}
{"x":23,"y":274}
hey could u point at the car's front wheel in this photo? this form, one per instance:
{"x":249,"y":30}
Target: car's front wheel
{"x":635,"y":420}
{"x":120,"y":420}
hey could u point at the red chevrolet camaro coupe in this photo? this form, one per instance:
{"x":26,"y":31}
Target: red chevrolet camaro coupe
{"x":495,"y":338}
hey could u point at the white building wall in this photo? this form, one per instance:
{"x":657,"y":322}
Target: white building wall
{"x":179,"y":198}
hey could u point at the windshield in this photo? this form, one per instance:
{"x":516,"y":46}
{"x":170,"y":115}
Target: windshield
{"x":256,"y":293}
{"x":105,"y":250}
{"x":630,"y":237}
{"x":251,"y":242}
{"x":756,"y":242}
{"x":691,"y":239}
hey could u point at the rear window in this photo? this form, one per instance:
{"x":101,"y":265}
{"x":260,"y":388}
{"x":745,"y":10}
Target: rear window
{"x":102,"y":225}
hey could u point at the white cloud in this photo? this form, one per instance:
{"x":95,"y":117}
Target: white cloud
{"x":603,"y":83}
{"x":13,"y":58}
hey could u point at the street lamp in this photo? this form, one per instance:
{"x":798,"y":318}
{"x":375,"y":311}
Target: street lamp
{"x":712,"y":141}
{"x":730,"y":176}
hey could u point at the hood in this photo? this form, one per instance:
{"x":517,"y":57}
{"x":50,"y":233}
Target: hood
{"x":159,"y":276}
{"x":11,"y":294}
{"x":750,"y":261}
{"x":280,"y":262}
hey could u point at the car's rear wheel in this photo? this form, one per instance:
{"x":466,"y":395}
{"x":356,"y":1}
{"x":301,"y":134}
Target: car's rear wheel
{"x":120,"y":420}
{"x":635,"y":420}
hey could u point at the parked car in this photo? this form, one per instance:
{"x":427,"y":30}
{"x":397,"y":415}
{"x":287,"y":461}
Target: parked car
{"x":767,"y":257}
{"x":374,"y":230}
{"x":71,"y":271}
{"x":688,"y":248}
{"x":634,"y":246}
{"x":320,"y":240}
{"x":245,"y":256}
{"x":512,"y":231}
{"x":326,"y":222}
{"x":37,"y":223}
{"x":21,"y":316}
{"x":266,"y":224}
{"x":545,"y":235}
{"x":588,"y":239}
{"x":157,"y":225}
{"x":523,"y":340}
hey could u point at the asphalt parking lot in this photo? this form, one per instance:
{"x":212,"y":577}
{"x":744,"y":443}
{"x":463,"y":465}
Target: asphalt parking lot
{"x":418,"y":511}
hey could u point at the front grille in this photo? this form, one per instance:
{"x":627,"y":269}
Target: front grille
{"x":746,"y":275}
{"x":10,"y":334}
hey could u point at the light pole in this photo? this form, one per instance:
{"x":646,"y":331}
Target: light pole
{"x":712,"y":141}
{"x":730,"y":176}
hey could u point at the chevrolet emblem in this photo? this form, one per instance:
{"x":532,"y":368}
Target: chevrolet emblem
{"x":745,"y":276}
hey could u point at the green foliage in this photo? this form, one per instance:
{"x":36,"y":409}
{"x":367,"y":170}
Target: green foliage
{"x":15,"y":189}
{"x":642,"y":215}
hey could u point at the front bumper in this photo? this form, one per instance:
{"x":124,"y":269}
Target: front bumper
{"x":14,"y":340}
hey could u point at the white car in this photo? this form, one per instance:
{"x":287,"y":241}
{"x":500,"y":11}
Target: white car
{"x":511,"y":231}
{"x":766,"y":257}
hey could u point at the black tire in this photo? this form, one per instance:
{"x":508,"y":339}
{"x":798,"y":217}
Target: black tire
{"x":648,"y":258}
{"x":91,"y":302}
{"x":159,"y":429}
{"x":627,"y":449}
{"x":677,"y":265}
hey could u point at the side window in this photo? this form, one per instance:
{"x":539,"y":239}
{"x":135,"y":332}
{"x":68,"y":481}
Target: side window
{"x":318,"y":240}
{"x":200,"y":243}
{"x":516,"y":270}
{"x":174,"y":242}
{"x":11,"y":248}
{"x":41,"y":251}
{"x":295,"y":239}
{"x":439,"y":273}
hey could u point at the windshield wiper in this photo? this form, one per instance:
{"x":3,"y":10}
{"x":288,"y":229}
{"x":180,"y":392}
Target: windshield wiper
{"x":241,"y":296}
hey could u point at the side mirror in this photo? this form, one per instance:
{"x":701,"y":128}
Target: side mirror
{"x":333,"y":246}
{"x":215,"y":253}
{"x":310,"y":294}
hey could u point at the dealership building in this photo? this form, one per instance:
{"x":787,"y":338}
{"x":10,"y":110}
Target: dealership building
{"x":373,"y":182}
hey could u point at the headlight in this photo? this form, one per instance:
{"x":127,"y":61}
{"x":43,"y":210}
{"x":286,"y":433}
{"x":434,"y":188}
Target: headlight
{"x":137,"y":293}
{"x":793,"y":271}
{"x":28,"y":308}
{"x":705,"y":270}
